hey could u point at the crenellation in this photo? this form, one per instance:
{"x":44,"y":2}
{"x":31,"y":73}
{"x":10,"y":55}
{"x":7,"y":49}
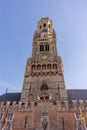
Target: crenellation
{"x":85,"y":104}
{"x":75,"y":104}
{"x":1,"y":103}
{"x":8,"y":103}
{"x":60,"y":105}
{"x":19,"y":104}
{"x":14,"y":103}
{"x":81,"y":102}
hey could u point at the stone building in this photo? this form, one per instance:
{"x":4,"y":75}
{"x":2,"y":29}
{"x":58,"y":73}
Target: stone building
{"x":44,"y":103}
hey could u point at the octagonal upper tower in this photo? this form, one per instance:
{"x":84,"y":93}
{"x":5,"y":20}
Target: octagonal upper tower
{"x":44,"y":41}
{"x":45,"y":26}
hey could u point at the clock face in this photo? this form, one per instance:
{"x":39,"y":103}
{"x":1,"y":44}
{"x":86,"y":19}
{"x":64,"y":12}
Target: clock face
{"x":44,"y":57}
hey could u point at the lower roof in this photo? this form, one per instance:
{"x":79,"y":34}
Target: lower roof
{"x":73,"y":94}
{"x":10,"y":97}
{"x":77,"y":94}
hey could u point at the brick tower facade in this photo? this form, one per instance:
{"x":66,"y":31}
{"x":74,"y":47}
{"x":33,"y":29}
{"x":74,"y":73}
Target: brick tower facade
{"x":44,"y":103}
{"x":44,"y":79}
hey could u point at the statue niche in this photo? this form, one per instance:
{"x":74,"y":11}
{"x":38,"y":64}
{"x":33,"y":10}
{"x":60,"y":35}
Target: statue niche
{"x":45,"y":119}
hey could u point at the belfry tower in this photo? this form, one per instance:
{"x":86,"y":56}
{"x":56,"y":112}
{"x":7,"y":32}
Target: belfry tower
{"x":44,"y":75}
{"x":44,"y":103}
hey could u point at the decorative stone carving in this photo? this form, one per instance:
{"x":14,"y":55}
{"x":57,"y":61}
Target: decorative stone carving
{"x":45,"y":120}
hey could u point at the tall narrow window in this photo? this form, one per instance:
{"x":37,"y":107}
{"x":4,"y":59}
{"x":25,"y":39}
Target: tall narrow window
{"x":41,"y":47}
{"x":44,"y":25}
{"x":46,"y":47}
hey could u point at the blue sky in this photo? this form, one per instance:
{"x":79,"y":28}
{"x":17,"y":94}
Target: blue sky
{"x":18,"y":21}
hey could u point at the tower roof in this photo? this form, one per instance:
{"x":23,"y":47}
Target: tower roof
{"x":42,"y":19}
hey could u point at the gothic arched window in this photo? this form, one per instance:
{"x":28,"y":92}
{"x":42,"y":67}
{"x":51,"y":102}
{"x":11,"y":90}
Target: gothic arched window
{"x":49,"y":66}
{"x":33,"y":67}
{"x":44,"y":25}
{"x":41,"y":47}
{"x":54,"y":66}
{"x":46,"y":47}
{"x":38,"y":67}
{"x":44,"y":86}
{"x":43,"y":66}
